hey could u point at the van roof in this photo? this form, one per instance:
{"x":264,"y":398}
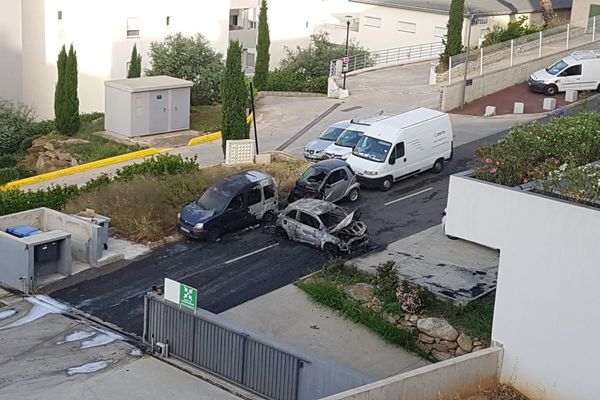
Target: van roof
{"x":232,"y":184}
{"x":387,"y":129}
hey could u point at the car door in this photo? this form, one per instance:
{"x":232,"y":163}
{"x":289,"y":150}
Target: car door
{"x":335,"y":185}
{"x":309,"y":229}
{"x":570,"y":79}
{"x":255,"y":204}
{"x":398,"y":161}
{"x":235,"y":215}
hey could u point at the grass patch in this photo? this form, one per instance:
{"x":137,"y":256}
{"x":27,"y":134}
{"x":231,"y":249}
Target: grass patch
{"x":326,"y":292}
{"x":475,"y":318}
{"x":144,"y":207}
{"x":205,"y":118}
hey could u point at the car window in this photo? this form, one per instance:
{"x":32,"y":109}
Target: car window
{"x":309,"y":220}
{"x":573,"y":70}
{"x":399,"y":150}
{"x":337,"y":176}
{"x":556,"y":67}
{"x":254,"y":196}
{"x":292,"y":214}
{"x":237,"y":203}
{"x":269,"y":191}
{"x":349,"y":138}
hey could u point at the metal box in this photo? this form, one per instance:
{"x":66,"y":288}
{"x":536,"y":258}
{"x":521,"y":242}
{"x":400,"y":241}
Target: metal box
{"x":45,"y":252}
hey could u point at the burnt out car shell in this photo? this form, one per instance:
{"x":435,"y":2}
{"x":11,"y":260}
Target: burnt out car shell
{"x":223,"y":216}
{"x":321,"y":189}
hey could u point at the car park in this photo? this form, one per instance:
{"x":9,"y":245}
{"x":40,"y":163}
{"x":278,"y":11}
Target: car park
{"x":331,"y":180}
{"x":323,"y":225}
{"x":315,"y":149}
{"x":233,"y":203}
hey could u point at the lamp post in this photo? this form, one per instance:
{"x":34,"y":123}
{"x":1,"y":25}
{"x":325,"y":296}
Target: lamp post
{"x":464,"y":85}
{"x":250,"y":74}
{"x":345,"y":66}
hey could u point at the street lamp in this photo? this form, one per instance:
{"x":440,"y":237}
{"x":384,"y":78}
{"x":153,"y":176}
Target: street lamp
{"x":250,"y":74}
{"x":345,"y":65}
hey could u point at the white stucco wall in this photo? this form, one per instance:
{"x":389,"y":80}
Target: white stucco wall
{"x":581,"y":9}
{"x":546,"y":314}
{"x":11,"y":64}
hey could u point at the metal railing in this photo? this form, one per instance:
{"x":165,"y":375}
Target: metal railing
{"x":417,"y":52}
{"x":526,"y":48}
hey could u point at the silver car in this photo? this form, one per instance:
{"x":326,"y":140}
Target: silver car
{"x":315,"y":150}
{"x":331,"y":180}
{"x":323,"y":225}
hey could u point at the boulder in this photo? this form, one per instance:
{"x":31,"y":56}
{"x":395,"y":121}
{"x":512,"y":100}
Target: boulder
{"x":426,"y":339}
{"x":477,"y":348}
{"x":74,"y":162}
{"x":361,"y":292}
{"x":49,"y":146}
{"x":391,"y":320}
{"x":40,"y":164}
{"x":476,"y":343}
{"x":440,"y":355}
{"x":426,"y":347}
{"x":414,"y":318}
{"x":460,"y":352}
{"x":441,"y":347}
{"x":437,"y":328}
{"x":448,"y":344}
{"x":63,"y":155}
{"x":465,"y":342}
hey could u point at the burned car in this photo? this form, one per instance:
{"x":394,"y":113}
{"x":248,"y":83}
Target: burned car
{"x":331,"y":180}
{"x":233,"y":203}
{"x":323,"y":225}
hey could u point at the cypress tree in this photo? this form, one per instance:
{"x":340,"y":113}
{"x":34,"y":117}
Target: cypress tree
{"x":453,"y":41}
{"x":61,"y":64}
{"x":233,"y":96}
{"x":72,"y":122}
{"x":261,"y":69}
{"x":135,"y":64}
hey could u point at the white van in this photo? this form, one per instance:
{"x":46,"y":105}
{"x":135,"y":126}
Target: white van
{"x":402,"y":145}
{"x":579,"y":71}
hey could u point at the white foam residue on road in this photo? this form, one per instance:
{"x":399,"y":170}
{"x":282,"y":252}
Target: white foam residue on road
{"x":7,"y":314}
{"x":41,"y":305}
{"x":88,"y":368}
{"x":101,"y":339}
{"x":136,"y":352}
{"x":77,"y":335}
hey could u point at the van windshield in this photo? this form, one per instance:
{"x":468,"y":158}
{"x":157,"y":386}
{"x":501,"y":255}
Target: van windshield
{"x":213,"y":199}
{"x":556,"y":67}
{"x":331,"y":133}
{"x":349,"y":138}
{"x":372,"y":149}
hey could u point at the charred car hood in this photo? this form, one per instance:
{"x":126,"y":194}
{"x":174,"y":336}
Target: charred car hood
{"x":193,"y":214}
{"x":348,"y":226}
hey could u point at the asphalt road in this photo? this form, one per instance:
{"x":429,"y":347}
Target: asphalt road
{"x":231,"y":271}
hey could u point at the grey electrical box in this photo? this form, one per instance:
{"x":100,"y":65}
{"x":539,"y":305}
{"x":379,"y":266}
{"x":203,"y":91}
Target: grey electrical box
{"x":45,"y":252}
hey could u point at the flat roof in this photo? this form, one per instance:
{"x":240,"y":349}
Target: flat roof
{"x":148,"y":83}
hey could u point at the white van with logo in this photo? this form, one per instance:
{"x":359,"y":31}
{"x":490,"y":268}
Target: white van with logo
{"x":402,"y":145}
{"x":579,"y":71}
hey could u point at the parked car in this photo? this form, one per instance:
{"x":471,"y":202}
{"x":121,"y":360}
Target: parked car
{"x":324,"y":225}
{"x":395,"y":147}
{"x":331,"y":180}
{"x":579,"y":71}
{"x":233,"y":203}
{"x":344,"y":144}
{"x":315,"y":149}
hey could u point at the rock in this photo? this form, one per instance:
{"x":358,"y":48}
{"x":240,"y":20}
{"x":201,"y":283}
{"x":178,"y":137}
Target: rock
{"x":476,"y":348}
{"x":460,"y":352}
{"x":391,"y":320}
{"x":63,"y":156}
{"x":414,"y":319}
{"x":437,"y":327}
{"x":361,"y":292}
{"x":477,"y":343}
{"x":441,"y":347}
{"x":49,"y":146}
{"x":407,"y":317}
{"x":397,"y":318}
{"x":426,"y":339}
{"x":406,"y":323}
{"x":376,"y":301}
{"x":72,"y":141}
{"x":74,"y":162}
{"x":465,"y":342}
{"x":40,"y":164}
{"x":440,"y":355}
{"x":426,"y":347}
{"x":376,"y":308}
{"x":448,"y":344}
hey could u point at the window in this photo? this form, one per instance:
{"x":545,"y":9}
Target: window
{"x":573,"y":70}
{"x":400,"y":150}
{"x":237,"y":203}
{"x":292,"y":214}
{"x":133,"y":27}
{"x":337,"y":176}
{"x":168,"y":20}
{"x":60,"y":15}
{"x":269,"y":191}
{"x":409,"y":27}
{"x":254,"y":196}
{"x":309,"y":220}
{"x":440,"y":31}
{"x":373,"y":21}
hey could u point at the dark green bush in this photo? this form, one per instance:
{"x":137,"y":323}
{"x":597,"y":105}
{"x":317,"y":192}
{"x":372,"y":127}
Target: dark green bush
{"x":386,"y":278}
{"x":160,"y":165}
{"x":55,"y":197}
{"x":40,"y":128}
{"x":14,"y":119}
{"x":287,"y":81}
{"x":7,"y":161}
{"x":27,"y":143}
{"x":89,"y":117}
{"x":14,"y":173}
{"x":513,"y":30}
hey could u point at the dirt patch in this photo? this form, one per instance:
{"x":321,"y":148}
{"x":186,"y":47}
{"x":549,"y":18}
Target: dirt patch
{"x":500,"y":392}
{"x":504,"y":101}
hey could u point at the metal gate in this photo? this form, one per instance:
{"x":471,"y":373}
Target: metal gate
{"x":204,"y":341}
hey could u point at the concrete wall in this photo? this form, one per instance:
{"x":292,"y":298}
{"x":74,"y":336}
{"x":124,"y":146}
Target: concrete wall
{"x":119,"y":105}
{"x":11,"y":43}
{"x":455,"y":378}
{"x":84,"y":235}
{"x":581,"y":10}
{"x":546,"y":315}
{"x":14,"y":263}
{"x":498,"y":80}
{"x":30,"y":218}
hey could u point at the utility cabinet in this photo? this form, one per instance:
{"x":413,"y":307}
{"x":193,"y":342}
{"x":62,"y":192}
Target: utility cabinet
{"x":148,"y":105}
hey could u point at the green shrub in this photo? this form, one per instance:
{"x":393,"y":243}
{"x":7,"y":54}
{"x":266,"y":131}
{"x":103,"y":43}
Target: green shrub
{"x":386,"y":278}
{"x":89,"y":117}
{"x":513,"y":30}
{"x":40,"y":128}
{"x":10,"y":174}
{"x":7,"y":161}
{"x":14,"y":119}
{"x":287,"y":81}
{"x":55,"y":197}
{"x":27,"y":143}
{"x":159,"y":165}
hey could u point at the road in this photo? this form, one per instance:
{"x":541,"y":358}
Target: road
{"x":249,"y":264}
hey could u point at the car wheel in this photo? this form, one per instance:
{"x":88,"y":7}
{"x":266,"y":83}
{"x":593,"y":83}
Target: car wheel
{"x":438,"y":166}
{"x":213,"y":236}
{"x":331,"y":249}
{"x":268,"y":217}
{"x":353,"y":195}
{"x":386,"y":184}
{"x":281,"y":233}
{"x":598,"y":89}
{"x":550,"y":90}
